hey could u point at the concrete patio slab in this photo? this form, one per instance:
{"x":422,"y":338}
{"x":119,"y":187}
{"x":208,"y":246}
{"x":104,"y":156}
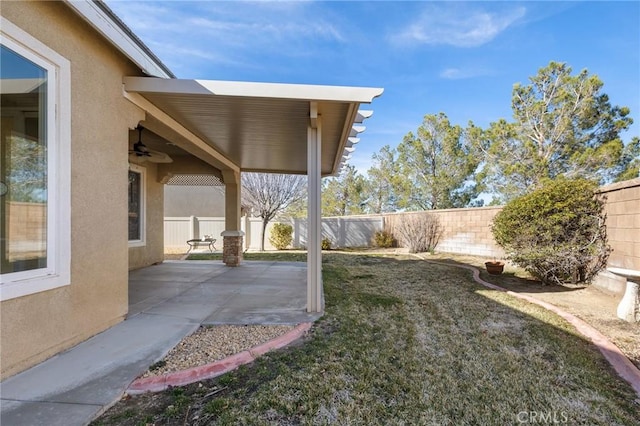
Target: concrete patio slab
{"x":168,"y":302}
{"x":46,"y":413}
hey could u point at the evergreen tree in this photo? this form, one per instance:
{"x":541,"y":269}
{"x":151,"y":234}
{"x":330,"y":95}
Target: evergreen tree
{"x":563,"y":126}
{"x":436,"y":166}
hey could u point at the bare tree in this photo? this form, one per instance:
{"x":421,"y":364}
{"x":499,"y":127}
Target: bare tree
{"x":269,"y":194}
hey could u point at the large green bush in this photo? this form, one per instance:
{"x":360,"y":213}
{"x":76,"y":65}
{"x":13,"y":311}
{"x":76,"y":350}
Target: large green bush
{"x":557,"y":232}
{"x":281,"y":235}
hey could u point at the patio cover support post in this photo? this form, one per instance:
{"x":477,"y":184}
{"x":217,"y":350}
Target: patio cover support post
{"x":314,"y":216}
{"x":232,"y":235}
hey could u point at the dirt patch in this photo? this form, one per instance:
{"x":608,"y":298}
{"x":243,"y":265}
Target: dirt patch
{"x":599,"y":310}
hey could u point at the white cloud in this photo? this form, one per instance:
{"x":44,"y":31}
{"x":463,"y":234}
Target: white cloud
{"x":226,"y":33}
{"x":263,"y":29}
{"x":451,"y":25}
{"x":460,"y":74}
{"x":452,"y":74}
{"x":180,"y":51}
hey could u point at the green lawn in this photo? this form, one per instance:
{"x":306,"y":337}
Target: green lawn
{"x":291,"y":256}
{"x":408,"y":342}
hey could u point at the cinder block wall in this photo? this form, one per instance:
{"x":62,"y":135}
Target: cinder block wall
{"x":465,"y":231}
{"x":26,"y":222}
{"x":623,"y":232}
{"x":623,"y":223}
{"x":468,"y":231}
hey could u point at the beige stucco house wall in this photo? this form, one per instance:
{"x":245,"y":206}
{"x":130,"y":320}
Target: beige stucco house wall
{"x":38,"y":325}
{"x":153,"y":249}
{"x":95,"y":82}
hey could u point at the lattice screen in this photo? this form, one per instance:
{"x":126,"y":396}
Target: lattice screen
{"x":195,"y":180}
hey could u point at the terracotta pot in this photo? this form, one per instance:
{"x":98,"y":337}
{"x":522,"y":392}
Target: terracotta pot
{"x":494,"y":268}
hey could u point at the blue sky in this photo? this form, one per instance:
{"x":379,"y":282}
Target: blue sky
{"x":460,"y":58}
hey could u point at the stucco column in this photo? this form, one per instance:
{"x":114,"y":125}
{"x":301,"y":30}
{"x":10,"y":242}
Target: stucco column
{"x":232,"y":235}
{"x":314,"y":216}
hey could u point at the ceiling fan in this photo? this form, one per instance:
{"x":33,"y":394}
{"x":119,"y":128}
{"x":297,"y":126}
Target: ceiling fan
{"x":142,"y":153}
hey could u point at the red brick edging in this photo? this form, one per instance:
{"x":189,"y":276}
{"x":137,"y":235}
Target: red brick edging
{"x":217,"y":368}
{"x":625,"y":368}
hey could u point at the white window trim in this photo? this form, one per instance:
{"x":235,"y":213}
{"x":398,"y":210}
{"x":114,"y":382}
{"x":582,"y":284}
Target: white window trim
{"x":58,"y":270}
{"x":143,"y":206}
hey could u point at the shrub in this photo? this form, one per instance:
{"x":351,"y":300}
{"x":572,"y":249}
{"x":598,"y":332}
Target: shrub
{"x":281,"y":235}
{"x":419,"y":232}
{"x":557,"y":232}
{"x":326,"y":244}
{"x":383,"y":239}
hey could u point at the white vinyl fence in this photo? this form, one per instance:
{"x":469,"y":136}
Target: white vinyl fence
{"x":351,"y":231}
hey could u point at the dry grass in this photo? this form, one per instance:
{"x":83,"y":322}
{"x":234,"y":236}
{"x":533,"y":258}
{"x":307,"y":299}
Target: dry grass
{"x":587,"y":302}
{"x":407,"y":342}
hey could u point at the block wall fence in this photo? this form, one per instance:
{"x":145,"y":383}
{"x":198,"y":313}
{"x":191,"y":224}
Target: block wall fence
{"x":465,"y":231}
{"x":623,"y":223}
{"x":27,"y":221}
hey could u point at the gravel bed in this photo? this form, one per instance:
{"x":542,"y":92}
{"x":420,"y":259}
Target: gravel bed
{"x":211,"y":343}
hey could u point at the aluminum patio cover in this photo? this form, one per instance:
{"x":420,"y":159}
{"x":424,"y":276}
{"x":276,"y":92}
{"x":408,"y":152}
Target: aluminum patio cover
{"x":261,"y":127}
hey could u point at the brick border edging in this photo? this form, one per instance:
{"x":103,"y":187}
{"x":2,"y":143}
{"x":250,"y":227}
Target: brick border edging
{"x":618,"y":360}
{"x":214,"y":369}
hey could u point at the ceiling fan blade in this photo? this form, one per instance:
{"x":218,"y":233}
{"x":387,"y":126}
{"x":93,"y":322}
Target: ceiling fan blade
{"x":142,"y":153}
{"x":137,"y":157}
{"x":159,"y":157}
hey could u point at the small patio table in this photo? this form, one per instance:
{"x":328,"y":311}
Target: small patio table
{"x":209,"y":242}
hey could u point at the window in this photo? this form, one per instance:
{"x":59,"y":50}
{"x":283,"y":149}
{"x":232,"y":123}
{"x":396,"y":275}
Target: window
{"x":34,"y":165}
{"x":136,"y":205}
{"x":23,"y":164}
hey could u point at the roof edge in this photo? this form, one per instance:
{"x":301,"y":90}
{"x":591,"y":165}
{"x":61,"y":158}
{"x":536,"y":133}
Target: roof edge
{"x":307,"y":92}
{"x":110,"y":26}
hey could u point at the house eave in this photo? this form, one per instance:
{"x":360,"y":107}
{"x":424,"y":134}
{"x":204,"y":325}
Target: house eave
{"x":97,"y":14}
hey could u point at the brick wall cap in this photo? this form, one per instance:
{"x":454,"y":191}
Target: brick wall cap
{"x":232,"y":234}
{"x":619,"y":185}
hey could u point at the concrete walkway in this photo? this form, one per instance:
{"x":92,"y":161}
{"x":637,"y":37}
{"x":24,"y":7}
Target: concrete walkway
{"x":167,"y":302}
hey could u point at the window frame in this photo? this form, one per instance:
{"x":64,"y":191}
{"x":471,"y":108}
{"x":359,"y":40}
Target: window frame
{"x":142,"y":171}
{"x":57,"y":273}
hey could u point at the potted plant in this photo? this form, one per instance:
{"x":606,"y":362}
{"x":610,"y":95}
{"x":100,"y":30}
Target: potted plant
{"x":494,"y":267}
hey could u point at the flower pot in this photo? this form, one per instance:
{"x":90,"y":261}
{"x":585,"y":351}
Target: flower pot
{"x":494,"y":267}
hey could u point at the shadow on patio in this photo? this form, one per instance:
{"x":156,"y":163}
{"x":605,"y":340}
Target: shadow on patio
{"x":208,"y":292}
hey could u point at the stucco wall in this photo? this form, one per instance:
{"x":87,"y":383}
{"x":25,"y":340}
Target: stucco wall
{"x":37,"y":326}
{"x":153,"y":249}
